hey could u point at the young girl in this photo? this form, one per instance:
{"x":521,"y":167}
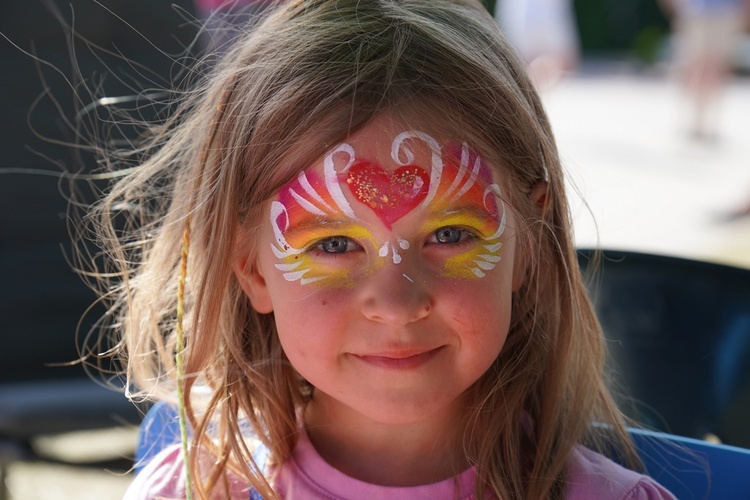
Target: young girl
{"x":359,"y":227}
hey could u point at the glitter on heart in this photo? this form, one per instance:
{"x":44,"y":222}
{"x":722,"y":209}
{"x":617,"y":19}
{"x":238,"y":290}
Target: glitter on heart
{"x":390,"y":196}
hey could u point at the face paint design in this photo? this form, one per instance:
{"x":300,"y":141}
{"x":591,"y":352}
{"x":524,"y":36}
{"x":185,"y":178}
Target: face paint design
{"x":390,"y":248}
{"x":458,"y":193}
{"x":461,"y":194}
{"x":390,"y":196}
{"x":299,"y":216}
{"x":467,"y":198}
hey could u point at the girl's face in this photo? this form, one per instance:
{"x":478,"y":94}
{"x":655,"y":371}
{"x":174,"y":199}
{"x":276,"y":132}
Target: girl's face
{"x":389,"y":266}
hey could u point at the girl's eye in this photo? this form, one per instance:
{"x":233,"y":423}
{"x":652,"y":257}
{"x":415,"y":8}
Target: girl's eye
{"x":337,"y":244}
{"x":450,"y":235}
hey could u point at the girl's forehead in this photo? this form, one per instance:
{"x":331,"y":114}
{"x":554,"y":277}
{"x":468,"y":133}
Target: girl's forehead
{"x":391,"y":171}
{"x":391,"y":143}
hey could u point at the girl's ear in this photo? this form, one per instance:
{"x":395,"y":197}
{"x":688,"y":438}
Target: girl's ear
{"x":253,"y":284}
{"x":539,"y":197}
{"x":539,"y":202}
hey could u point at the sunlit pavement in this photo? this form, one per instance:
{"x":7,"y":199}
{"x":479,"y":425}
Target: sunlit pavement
{"x":624,"y":141}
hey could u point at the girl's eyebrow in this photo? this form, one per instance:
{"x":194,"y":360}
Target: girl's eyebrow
{"x":317,"y":222}
{"x":474,"y":211}
{"x":313,"y":223}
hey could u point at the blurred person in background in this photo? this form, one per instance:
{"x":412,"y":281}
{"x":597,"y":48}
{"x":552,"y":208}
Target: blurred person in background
{"x":707,"y":35}
{"x":545,"y":34}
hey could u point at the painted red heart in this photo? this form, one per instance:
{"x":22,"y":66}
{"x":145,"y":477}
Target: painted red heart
{"x":390,"y":196}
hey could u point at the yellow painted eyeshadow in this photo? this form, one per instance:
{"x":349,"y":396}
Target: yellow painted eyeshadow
{"x":306,"y":268}
{"x":482,"y":257}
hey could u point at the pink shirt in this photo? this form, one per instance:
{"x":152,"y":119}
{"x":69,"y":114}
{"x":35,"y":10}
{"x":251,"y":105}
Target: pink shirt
{"x":307,"y":476}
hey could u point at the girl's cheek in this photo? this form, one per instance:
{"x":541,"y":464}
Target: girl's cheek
{"x":474,"y":263}
{"x":304,"y":263}
{"x":469,"y":260}
{"x":334,"y":272}
{"x":307,"y":270}
{"x":475,"y":258}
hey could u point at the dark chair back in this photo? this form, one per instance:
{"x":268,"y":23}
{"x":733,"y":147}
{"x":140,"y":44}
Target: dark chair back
{"x":679,"y":341}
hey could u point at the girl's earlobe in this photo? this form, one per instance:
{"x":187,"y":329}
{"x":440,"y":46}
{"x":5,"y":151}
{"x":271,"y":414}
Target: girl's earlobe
{"x":540,"y":197}
{"x":253,"y":284}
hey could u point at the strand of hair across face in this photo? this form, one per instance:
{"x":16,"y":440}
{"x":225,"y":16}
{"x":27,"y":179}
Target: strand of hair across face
{"x":180,"y":362}
{"x":180,"y":347}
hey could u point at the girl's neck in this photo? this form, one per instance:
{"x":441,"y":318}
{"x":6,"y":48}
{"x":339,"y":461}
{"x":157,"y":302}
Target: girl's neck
{"x":408,"y":454}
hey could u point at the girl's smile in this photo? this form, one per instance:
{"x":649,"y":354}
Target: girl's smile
{"x":400,"y":360}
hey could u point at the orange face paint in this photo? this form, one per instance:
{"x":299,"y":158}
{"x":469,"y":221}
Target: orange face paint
{"x":310,"y":208}
{"x":468,"y":198}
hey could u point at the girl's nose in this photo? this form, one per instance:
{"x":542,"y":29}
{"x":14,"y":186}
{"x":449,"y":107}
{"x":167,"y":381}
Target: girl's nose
{"x":396,"y":296}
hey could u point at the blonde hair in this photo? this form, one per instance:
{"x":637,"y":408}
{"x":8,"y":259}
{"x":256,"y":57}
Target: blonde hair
{"x":314,"y":72}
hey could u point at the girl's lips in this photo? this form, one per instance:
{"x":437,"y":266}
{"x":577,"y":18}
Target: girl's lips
{"x":399,"y":361}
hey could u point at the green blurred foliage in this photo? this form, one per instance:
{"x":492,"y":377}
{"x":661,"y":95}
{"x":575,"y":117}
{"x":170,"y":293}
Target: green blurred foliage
{"x":635,"y":27}
{"x":615,"y":27}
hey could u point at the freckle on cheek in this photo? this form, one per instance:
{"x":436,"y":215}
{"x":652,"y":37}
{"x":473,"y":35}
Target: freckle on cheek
{"x":324,"y":302}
